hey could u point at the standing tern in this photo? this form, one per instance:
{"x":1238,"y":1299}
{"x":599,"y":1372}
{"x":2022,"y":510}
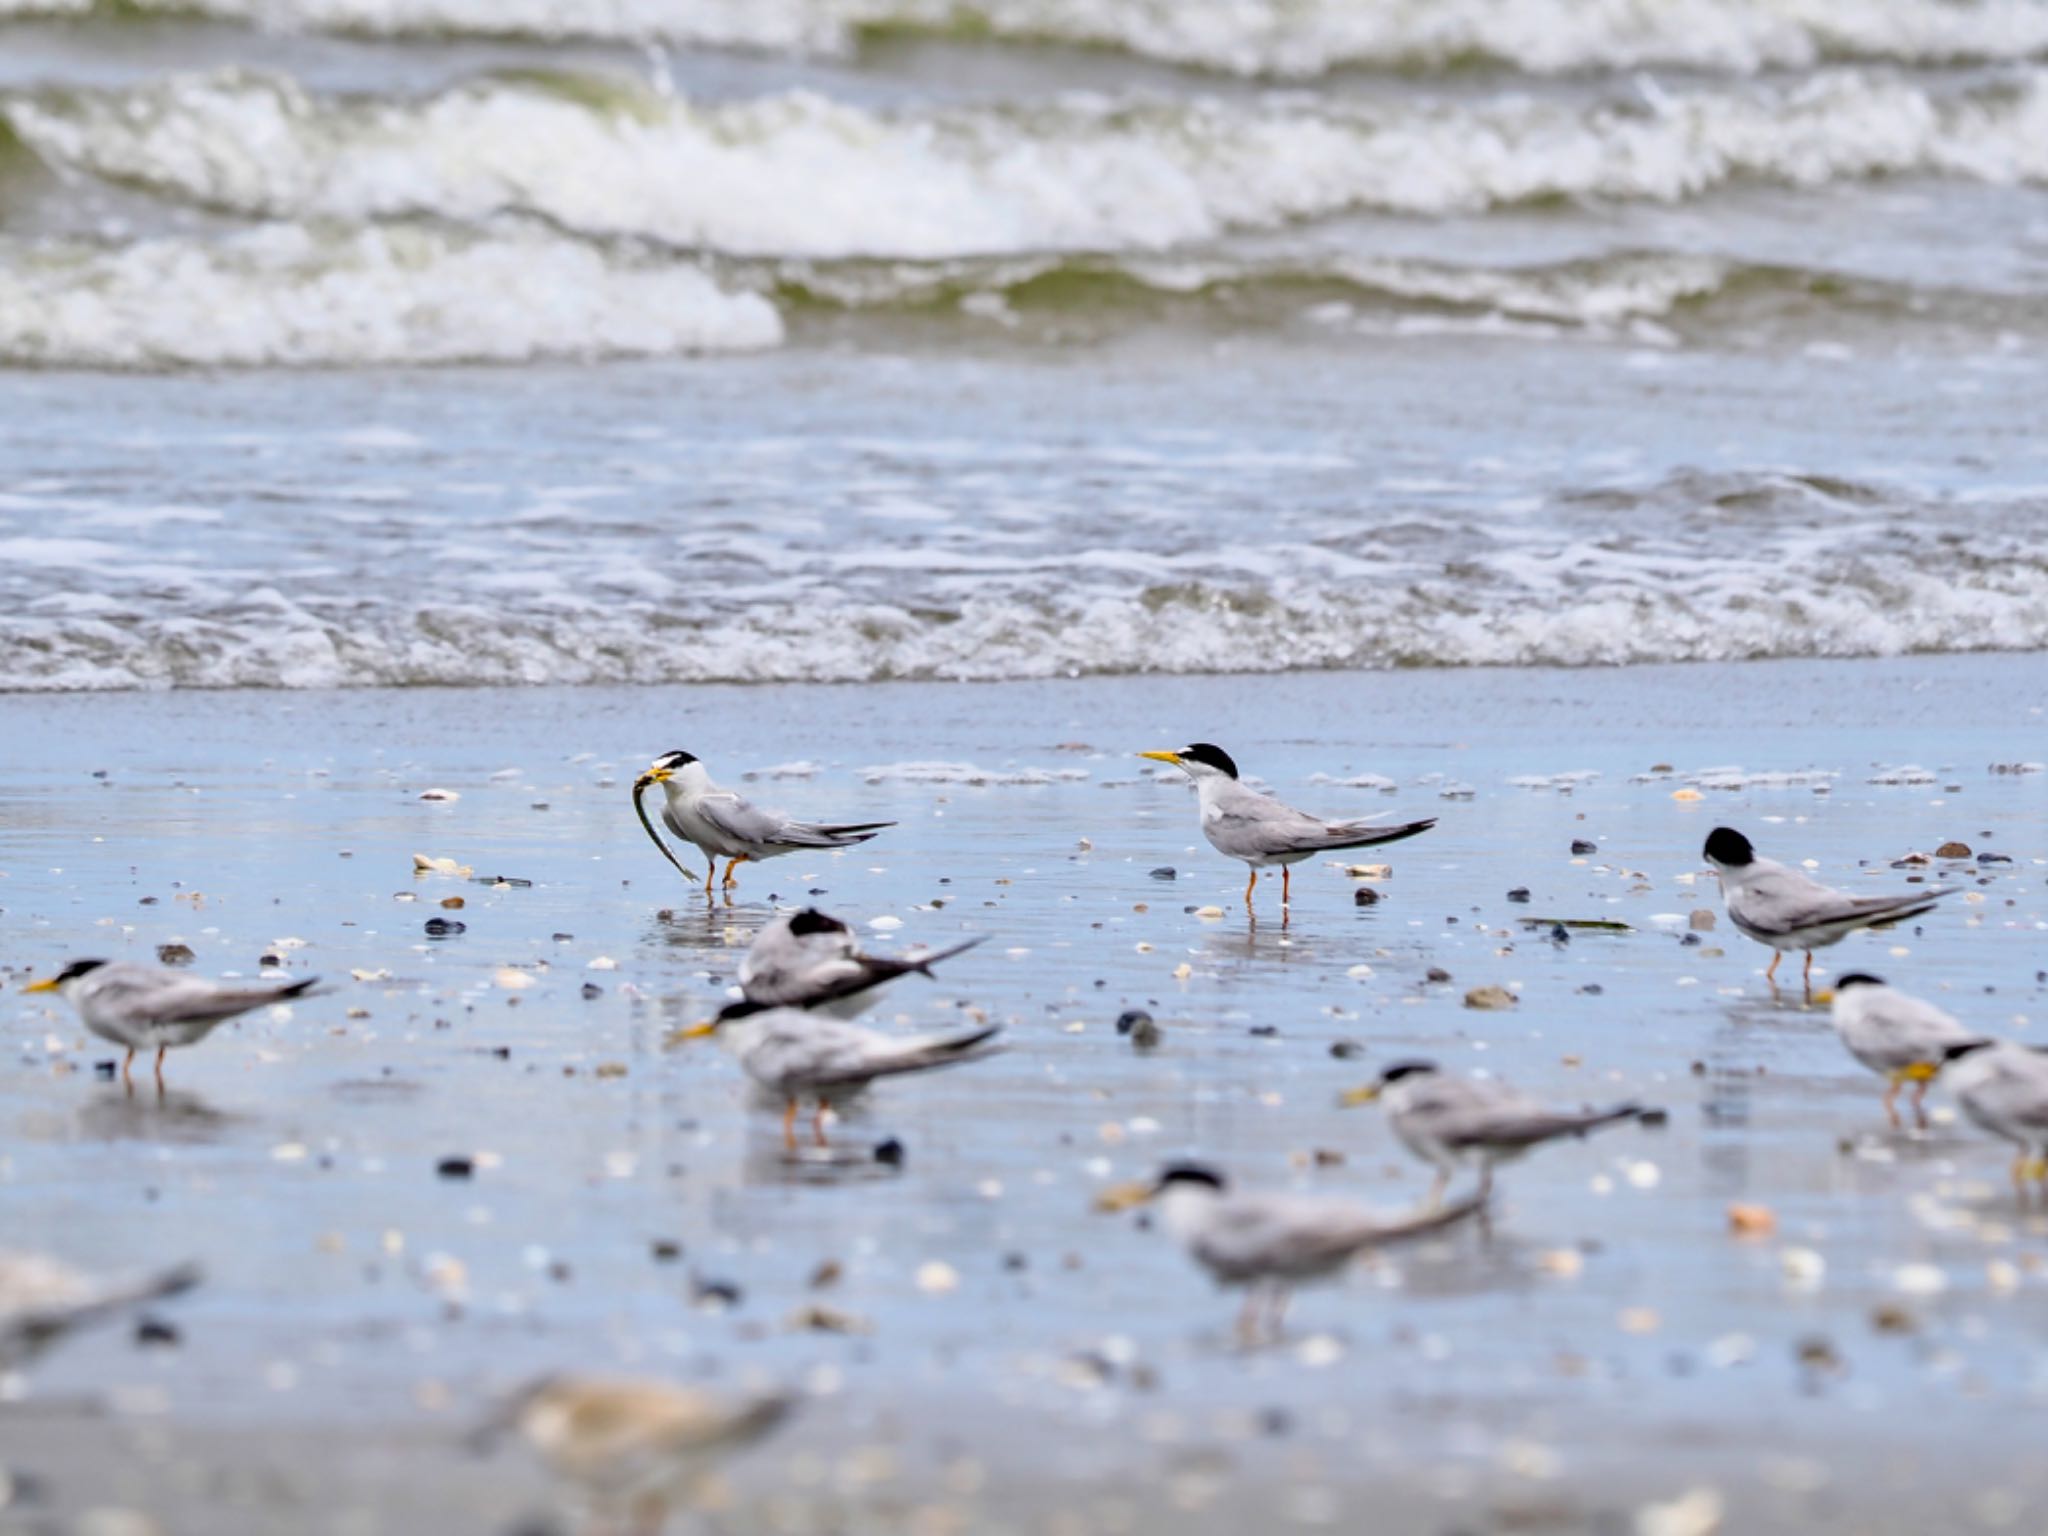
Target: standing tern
{"x":145,"y":1007}
{"x":1899,"y":1037}
{"x":2003,"y":1086}
{"x":797,"y":1055}
{"x":726,"y":825}
{"x":1243,"y":824}
{"x":633,"y":1447}
{"x":1268,"y":1241}
{"x":1778,"y":906}
{"x":1450,"y":1121}
{"x":42,"y":1299}
{"x":809,"y":960}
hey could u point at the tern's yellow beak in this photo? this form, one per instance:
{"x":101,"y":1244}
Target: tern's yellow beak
{"x":1163,"y":757}
{"x":1357,"y":1096}
{"x":653,"y":776}
{"x":47,"y":984}
{"x":1122,"y":1197}
{"x":699,"y":1031}
{"x":1824,"y":996}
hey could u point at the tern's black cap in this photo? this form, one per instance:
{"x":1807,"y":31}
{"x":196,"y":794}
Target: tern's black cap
{"x":673,"y":760}
{"x":1211,"y":756}
{"x":78,"y":968}
{"x":1395,"y":1071}
{"x":1963,"y":1048}
{"x":811,"y":920}
{"x":1725,"y":845}
{"x":1857,"y":979}
{"x":1190,"y":1173}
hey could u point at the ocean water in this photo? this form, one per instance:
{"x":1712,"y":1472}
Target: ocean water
{"x":394,"y":342}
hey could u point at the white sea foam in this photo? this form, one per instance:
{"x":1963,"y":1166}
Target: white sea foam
{"x":800,"y":175}
{"x":968,"y":774}
{"x":1275,"y":37}
{"x":284,"y":294}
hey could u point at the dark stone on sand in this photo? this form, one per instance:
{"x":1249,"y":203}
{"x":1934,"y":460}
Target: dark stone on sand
{"x":455,"y":1167}
{"x":1345,"y":1050}
{"x":444,"y":928}
{"x":719,"y":1293}
{"x":1130,"y":1019}
{"x":104,"y":1070}
{"x":1016,"y":1263}
{"x":174,"y":954}
{"x":271,"y":960}
{"x":591,"y":989}
{"x":1275,"y":1421}
{"x":1580,"y":845}
{"x":562,"y":938}
{"x":1265,"y":1030}
{"x":1952,"y":850}
{"x":1166,"y":872}
{"x":1365,"y":896}
{"x":890,"y":1153}
{"x":666,"y":1250}
{"x":1436,"y":973}
{"x":1690,"y":941}
{"x":1994,"y":858}
{"x":1519,"y":893}
{"x":1559,"y":934}
{"x":1592,"y":989}
{"x":155,"y":1333}
{"x":1657,"y":1117}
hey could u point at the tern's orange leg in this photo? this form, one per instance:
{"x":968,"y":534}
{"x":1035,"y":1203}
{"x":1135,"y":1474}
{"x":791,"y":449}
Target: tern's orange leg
{"x":1920,"y":1101}
{"x":127,"y":1066}
{"x":1250,"y":884}
{"x":789,"y":1125}
{"x":1771,"y":972}
{"x":1891,"y":1094}
{"x":710,"y":874}
{"x":160,"y":1064}
{"x":1286,"y":882}
{"x":730,"y":882}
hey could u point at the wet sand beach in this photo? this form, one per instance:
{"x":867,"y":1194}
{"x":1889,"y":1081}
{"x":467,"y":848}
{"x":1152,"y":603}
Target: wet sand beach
{"x":978,"y":1351}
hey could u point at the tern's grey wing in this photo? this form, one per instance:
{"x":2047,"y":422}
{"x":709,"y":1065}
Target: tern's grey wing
{"x":1478,"y":1113}
{"x":1777,"y":901}
{"x":1256,"y":1234}
{"x":744,"y":822}
{"x":1245,"y":824}
{"x":808,"y":1050}
{"x":1892,"y":1031}
{"x":2016,"y":1092}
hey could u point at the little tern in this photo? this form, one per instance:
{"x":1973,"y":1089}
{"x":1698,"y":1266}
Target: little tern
{"x":1267,"y":1241}
{"x":809,"y":960}
{"x":1778,"y":906}
{"x":1243,"y":824}
{"x":42,"y":1299}
{"x":797,"y":1055}
{"x":1451,"y":1122}
{"x":145,"y":1007}
{"x":2003,"y":1086}
{"x":632,"y":1447}
{"x":1901,"y":1038}
{"x":725,"y":825}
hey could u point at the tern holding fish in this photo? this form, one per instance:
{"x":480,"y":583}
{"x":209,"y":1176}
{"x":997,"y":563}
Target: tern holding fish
{"x":725,"y":825}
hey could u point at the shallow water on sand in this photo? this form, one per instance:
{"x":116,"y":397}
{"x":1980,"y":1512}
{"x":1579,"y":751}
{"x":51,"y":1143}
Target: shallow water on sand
{"x":1609,"y":1341}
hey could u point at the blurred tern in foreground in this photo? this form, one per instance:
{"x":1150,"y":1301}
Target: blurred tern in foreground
{"x":798,"y":1055}
{"x":811,"y":961}
{"x":1777,"y":905}
{"x":633,"y":1447}
{"x":1270,"y":1241}
{"x":2003,"y":1086}
{"x":1243,"y":824}
{"x":1451,"y":1122}
{"x":725,"y":825}
{"x":42,"y":1299}
{"x":145,"y":1007}
{"x":1899,"y":1037}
